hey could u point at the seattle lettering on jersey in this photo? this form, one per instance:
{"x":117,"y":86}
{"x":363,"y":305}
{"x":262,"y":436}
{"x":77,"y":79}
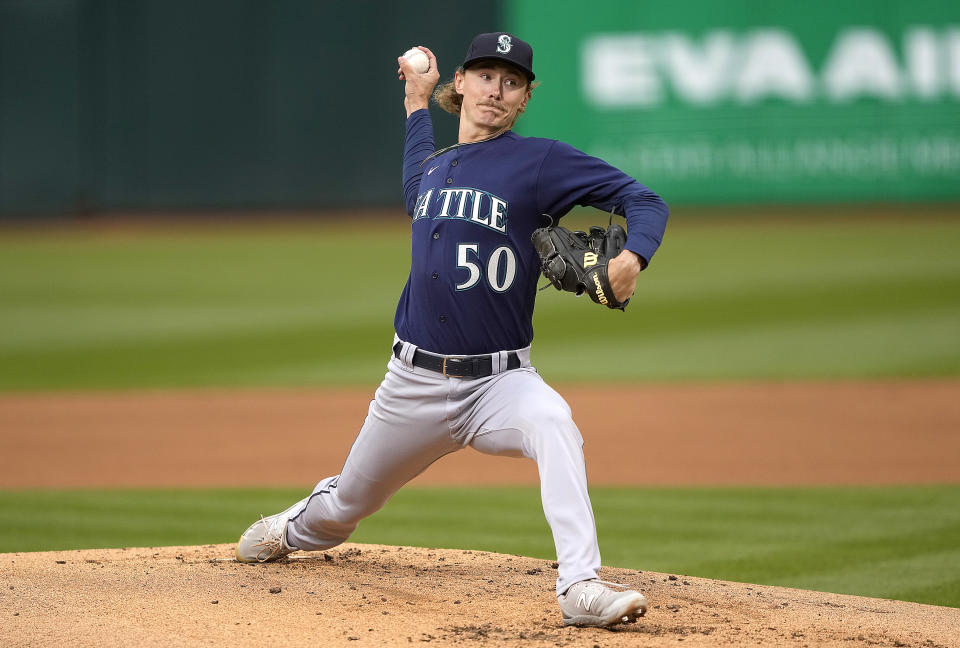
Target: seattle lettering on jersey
{"x":472,"y":205}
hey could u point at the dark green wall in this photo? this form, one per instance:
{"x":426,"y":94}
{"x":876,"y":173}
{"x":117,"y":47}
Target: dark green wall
{"x":117,"y":105}
{"x":39,"y":105}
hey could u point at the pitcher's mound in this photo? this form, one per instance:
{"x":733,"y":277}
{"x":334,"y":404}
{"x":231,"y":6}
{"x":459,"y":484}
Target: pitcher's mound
{"x":372,"y":595}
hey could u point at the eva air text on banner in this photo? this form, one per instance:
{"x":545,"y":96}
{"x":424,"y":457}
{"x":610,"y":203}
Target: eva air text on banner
{"x":741,"y":101}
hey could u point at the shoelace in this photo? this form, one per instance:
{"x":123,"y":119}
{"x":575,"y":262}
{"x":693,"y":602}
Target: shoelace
{"x":270,"y":545}
{"x":610,"y":583}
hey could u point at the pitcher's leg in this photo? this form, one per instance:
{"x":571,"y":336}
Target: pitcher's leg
{"x":523,"y":416}
{"x":403,"y":434}
{"x":380,"y":462}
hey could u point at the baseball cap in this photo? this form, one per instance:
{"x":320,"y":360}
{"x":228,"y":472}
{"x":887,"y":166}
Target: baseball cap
{"x":502,"y":46}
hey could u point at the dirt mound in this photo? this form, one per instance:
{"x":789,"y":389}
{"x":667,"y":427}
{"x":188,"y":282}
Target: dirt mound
{"x":372,"y":595}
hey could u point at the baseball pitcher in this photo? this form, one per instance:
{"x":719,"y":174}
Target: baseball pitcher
{"x":483,"y":219}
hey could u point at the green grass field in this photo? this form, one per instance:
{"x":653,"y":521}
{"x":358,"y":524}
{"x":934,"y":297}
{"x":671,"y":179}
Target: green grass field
{"x":791,"y":297}
{"x":901,"y":543}
{"x":759,"y":299}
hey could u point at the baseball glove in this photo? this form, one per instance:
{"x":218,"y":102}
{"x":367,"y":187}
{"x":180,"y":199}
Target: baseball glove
{"x":577,"y":261}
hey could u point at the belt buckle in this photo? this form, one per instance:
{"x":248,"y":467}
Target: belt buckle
{"x":450,"y":375}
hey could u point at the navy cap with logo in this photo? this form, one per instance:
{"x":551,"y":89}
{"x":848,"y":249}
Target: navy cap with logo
{"x":501,"y":46}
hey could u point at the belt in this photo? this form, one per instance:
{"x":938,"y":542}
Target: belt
{"x":477,"y":366}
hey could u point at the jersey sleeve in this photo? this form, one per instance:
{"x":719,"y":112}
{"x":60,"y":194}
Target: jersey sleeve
{"x":418,"y":146}
{"x":570,"y":177}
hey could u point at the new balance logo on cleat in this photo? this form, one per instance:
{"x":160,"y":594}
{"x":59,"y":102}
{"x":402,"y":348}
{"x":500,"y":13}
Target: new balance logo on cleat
{"x":582,"y":601}
{"x":597,"y":603}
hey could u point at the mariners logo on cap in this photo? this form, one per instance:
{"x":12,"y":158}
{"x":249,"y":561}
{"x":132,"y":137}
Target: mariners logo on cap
{"x":499,"y":45}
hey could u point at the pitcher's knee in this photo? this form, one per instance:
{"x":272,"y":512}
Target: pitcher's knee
{"x":553,"y":423}
{"x":547,"y":407}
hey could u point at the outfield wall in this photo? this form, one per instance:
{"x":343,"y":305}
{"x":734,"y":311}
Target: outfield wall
{"x":211,"y":104}
{"x":127,"y":105}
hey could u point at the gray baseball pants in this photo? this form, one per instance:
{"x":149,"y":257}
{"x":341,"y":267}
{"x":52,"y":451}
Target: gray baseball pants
{"x":418,"y":416}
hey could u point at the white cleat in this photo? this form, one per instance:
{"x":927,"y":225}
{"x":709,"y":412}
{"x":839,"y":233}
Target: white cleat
{"x":266,"y":539}
{"x":596,"y":603}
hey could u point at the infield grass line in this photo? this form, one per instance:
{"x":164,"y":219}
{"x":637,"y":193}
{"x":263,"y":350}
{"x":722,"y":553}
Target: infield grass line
{"x":890,"y":542}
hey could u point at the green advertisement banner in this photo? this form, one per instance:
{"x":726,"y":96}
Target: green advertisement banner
{"x":743,"y":101}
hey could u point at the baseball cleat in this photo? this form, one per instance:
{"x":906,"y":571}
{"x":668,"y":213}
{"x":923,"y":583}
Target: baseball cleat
{"x":266,"y":539}
{"x":596,"y":603}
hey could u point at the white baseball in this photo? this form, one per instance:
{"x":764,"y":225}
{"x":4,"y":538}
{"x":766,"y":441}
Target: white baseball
{"x":417,"y":59}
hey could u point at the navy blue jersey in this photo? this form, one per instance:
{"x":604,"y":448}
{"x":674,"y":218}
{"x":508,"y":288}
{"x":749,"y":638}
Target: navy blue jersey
{"x":474,"y":272}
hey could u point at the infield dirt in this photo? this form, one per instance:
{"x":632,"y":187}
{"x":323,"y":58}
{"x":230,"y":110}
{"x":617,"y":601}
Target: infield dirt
{"x":371,"y":595}
{"x":368,"y":595}
{"x":725,"y":434}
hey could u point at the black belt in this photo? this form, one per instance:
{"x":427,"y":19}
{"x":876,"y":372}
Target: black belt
{"x":478,"y":366}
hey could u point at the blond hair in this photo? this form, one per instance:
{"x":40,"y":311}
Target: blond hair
{"x":446,"y":96}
